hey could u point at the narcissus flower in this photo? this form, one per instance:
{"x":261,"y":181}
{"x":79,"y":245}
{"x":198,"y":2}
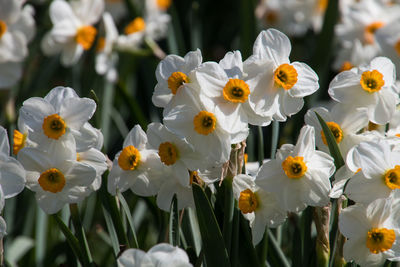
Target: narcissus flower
{"x":56,"y":176}
{"x":59,"y":112}
{"x":107,"y":57}
{"x":379,"y":171}
{"x":372,"y":231}
{"x":17,"y":27}
{"x":136,"y":166}
{"x":299,"y":176}
{"x":224,"y":84}
{"x":159,"y":255}
{"x":197,"y":122}
{"x":73,"y":31}
{"x":344,"y":127}
{"x":369,"y":86}
{"x":279,"y":86}
{"x":12,"y":174}
{"x":172,"y":73}
{"x":260,"y":207}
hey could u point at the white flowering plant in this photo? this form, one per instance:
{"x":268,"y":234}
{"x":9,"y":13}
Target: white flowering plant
{"x":199,"y":133}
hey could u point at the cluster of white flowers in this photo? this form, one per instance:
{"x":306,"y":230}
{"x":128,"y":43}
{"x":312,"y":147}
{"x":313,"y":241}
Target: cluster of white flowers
{"x":294,"y":17}
{"x":367,"y":29}
{"x":74,"y":31}
{"x":59,"y":148}
{"x":207,"y":109}
{"x":17,"y":28}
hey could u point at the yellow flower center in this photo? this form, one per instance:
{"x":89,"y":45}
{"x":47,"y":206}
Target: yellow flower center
{"x":248,"y":201}
{"x":246,"y":157}
{"x":204,"y":122}
{"x":52,"y":180}
{"x":176,"y":80}
{"x":129,"y":158}
{"x":54,"y":126}
{"x":336,"y":131}
{"x":369,"y":31}
{"x":392,"y":177}
{"x":294,"y":167}
{"x":101,"y":43}
{"x":271,"y":17}
{"x":346,"y":66}
{"x":194,"y":176}
{"x":372,"y":81}
{"x":168,"y":153}
{"x":136,"y":25}
{"x":164,"y":4}
{"x":285,"y":76}
{"x":372,"y":126}
{"x":322,"y":5}
{"x":85,"y":36}
{"x":396,"y":47}
{"x":236,"y":91}
{"x":19,"y":141}
{"x":380,"y":239}
{"x":3,"y":28}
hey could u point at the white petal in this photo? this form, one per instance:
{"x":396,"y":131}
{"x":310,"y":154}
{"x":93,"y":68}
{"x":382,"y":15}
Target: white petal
{"x":77,"y":111}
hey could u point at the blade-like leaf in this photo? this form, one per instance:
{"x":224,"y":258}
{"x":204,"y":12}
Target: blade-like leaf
{"x":330,"y":139}
{"x":213,"y":243}
{"x":129,"y":217}
{"x":174,"y":222}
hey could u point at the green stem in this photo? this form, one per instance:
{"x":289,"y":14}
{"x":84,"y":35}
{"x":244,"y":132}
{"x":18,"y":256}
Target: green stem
{"x":277,"y":250}
{"x":275,"y":138}
{"x":108,"y":98}
{"x":80,"y":232}
{"x":260,"y":146}
{"x":229,"y":204}
{"x":129,"y":217}
{"x":110,"y":205}
{"x":71,"y":239}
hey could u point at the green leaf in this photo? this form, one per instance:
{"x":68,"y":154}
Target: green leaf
{"x":129,"y":217}
{"x":71,"y":239}
{"x":174,"y":222}
{"x":330,"y":139}
{"x":213,"y":243}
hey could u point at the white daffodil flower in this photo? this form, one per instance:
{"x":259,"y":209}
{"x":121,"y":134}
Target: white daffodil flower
{"x":388,"y":39}
{"x":162,"y":254}
{"x":73,"y":31}
{"x":344,"y":127}
{"x":172,"y":73}
{"x":198,"y":123}
{"x":379,"y":171}
{"x":278,"y":85}
{"x":353,"y":54}
{"x":225,"y":86}
{"x":59,"y":112}
{"x":260,"y":207}
{"x":56,"y":176}
{"x":292,"y":17}
{"x":107,"y":57}
{"x":362,"y":20}
{"x":95,"y":158}
{"x":369,"y":86}
{"x":17,"y":27}
{"x":180,"y":162}
{"x":136,"y":167}
{"x":152,"y":26}
{"x":12,"y":174}
{"x":299,"y":176}
{"x":372,"y":231}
